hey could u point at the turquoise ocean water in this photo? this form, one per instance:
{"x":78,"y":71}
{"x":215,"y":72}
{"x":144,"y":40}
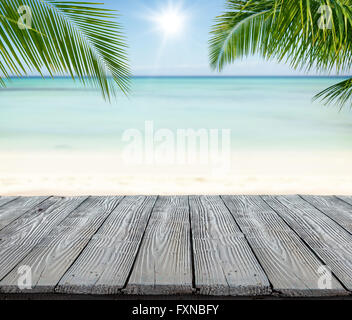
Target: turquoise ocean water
{"x":262,"y":112}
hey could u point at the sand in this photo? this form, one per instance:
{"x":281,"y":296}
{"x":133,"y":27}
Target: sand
{"x":70,"y":174}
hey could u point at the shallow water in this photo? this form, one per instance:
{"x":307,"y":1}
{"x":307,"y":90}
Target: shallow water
{"x":262,"y":113}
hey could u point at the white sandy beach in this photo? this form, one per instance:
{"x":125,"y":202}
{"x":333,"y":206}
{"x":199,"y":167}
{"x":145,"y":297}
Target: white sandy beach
{"x":70,"y":174}
{"x":280,"y":142}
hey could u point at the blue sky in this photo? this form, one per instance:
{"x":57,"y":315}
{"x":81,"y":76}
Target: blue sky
{"x":187,"y":52}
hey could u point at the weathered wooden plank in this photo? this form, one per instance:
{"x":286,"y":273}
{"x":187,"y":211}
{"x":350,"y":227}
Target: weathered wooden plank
{"x":292,"y":268}
{"x":104,"y":265}
{"x":164,"y":265}
{"x":5,"y":200}
{"x":346,"y":199}
{"x":51,"y":258}
{"x":337,"y":209}
{"x":223,"y":260}
{"x":331,"y":242}
{"x":12,"y":210}
{"x":94,"y":250}
{"x":20,"y":237}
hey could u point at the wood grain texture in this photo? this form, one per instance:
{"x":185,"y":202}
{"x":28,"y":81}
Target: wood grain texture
{"x":104,"y":265}
{"x":210,"y":245}
{"x":325,"y":237}
{"x":164,"y":265}
{"x":346,"y":199}
{"x":5,"y":200}
{"x":337,"y":209}
{"x":19,"y":237}
{"x":291,"y":267}
{"x":223,"y":260}
{"x":12,"y":210}
{"x":50,"y":258}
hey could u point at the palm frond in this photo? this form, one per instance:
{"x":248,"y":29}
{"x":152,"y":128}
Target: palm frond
{"x":339,"y":93}
{"x":65,"y":37}
{"x":285,"y":30}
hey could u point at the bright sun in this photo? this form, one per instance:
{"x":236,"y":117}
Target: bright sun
{"x":170,"y":21}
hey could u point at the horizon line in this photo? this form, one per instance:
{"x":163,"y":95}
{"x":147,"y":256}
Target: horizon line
{"x":198,"y":76}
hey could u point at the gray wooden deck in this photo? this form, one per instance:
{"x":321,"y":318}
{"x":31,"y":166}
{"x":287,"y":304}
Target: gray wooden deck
{"x":184,"y":245}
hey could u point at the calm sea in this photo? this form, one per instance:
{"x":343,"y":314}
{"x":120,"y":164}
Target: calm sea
{"x":263,"y":113}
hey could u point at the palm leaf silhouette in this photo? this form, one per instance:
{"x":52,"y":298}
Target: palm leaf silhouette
{"x":307,"y":34}
{"x":63,"y":37}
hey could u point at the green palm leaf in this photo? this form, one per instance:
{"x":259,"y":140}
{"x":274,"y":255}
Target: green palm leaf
{"x":64,"y":37}
{"x":297,"y":32}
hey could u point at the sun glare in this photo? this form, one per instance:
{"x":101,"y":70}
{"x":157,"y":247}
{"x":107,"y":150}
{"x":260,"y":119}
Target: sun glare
{"x":170,"y":21}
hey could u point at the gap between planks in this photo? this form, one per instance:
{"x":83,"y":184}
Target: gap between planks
{"x":128,"y":240}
